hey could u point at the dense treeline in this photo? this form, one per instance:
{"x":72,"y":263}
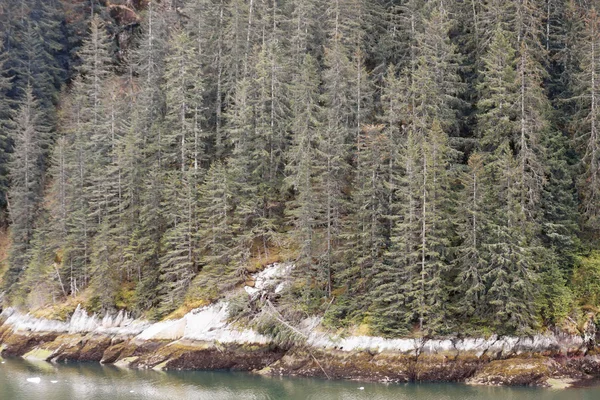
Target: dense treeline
{"x":429,"y":166}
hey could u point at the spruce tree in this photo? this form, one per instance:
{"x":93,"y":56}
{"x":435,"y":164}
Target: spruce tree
{"x":428,"y":289}
{"x":6,"y":122}
{"x":498,"y":91}
{"x":29,"y":135}
{"x":471,"y":258}
{"x":393,"y":280}
{"x":218,"y":246}
{"x":587,"y":120}
{"x":364,"y":231}
{"x":511,"y":271}
{"x":302,"y":164}
{"x":183,"y":87}
{"x":87,"y":131}
{"x":179,"y":261}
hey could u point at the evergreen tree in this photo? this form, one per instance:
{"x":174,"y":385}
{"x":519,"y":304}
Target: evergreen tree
{"x":179,"y":262}
{"x":389,"y":309}
{"x":243,"y":131}
{"x":29,"y":135}
{"x":471,"y":258}
{"x":511,"y":270}
{"x":392,"y":282}
{"x":364,"y":231}
{"x":428,"y":287}
{"x":512,"y":108}
{"x":587,"y":136}
{"x":183,"y":88}
{"x":6,"y":123}
{"x":219,"y":253}
{"x":88,"y":153}
{"x":498,"y":93}
{"x":302,"y":164}
{"x":435,"y":81}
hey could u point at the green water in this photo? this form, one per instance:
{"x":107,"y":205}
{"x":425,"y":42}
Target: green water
{"x":96,"y":382}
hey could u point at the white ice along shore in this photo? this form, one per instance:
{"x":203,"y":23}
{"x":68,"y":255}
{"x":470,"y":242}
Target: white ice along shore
{"x":210,"y":324}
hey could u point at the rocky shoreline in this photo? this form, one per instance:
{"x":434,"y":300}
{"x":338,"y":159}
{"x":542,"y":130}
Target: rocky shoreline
{"x":204,"y":340}
{"x":559,"y":367}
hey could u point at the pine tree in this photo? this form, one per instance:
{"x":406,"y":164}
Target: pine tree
{"x":219,"y":252}
{"x":587,"y":137}
{"x":179,"y":262}
{"x":302,"y":163}
{"x":30,"y":135}
{"x":498,"y":93}
{"x":471,"y":258}
{"x":87,"y":154}
{"x":6,"y":122}
{"x":429,"y":287}
{"x":184,"y":89}
{"x":364,"y":231}
{"x":511,"y":270}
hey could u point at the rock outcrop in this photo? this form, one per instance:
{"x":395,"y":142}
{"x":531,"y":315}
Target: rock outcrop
{"x":204,"y":339}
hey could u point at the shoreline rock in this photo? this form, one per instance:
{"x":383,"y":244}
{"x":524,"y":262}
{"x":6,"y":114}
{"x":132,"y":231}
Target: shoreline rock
{"x":526,"y":369}
{"x":204,"y":339}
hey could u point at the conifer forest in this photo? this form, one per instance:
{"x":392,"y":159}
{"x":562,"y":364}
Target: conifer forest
{"x":429,"y":167}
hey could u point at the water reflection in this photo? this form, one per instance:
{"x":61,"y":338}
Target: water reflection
{"x":97,"y":382}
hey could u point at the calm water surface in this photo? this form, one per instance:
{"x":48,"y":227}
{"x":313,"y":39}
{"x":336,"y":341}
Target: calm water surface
{"x":96,"y":382}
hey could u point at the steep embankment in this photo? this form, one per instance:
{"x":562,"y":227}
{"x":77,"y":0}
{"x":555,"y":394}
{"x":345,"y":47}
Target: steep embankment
{"x":203,"y":339}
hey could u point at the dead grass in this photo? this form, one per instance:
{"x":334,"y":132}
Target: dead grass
{"x":61,"y":311}
{"x":186,"y":307}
